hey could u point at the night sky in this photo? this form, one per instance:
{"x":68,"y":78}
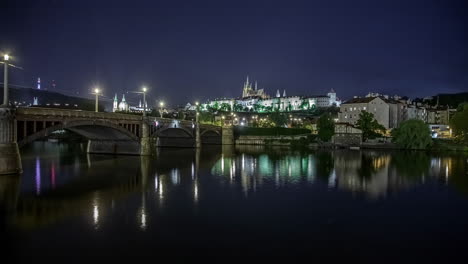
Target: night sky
{"x":196,"y":50}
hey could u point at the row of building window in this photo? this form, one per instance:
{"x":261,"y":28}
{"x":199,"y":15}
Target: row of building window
{"x":354,"y":109}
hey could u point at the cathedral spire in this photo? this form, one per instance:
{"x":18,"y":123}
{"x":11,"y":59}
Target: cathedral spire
{"x":123,"y":98}
{"x":278,"y":93}
{"x":255,"y":85}
{"x":284,"y":93}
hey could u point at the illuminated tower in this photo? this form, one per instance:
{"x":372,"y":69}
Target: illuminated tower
{"x":332,"y":96}
{"x":39,"y":83}
{"x":116,"y":104}
{"x":247,"y":88}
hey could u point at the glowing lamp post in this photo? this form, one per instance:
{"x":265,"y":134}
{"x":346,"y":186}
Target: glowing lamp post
{"x":197,"y":113}
{"x":144,"y":101}
{"x":96,"y":92}
{"x":161,"y":105}
{"x":6,"y":57}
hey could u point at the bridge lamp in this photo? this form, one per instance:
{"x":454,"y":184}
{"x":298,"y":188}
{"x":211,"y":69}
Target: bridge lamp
{"x":6,"y":57}
{"x":161,"y":105}
{"x":144,"y":100}
{"x":96,"y":92}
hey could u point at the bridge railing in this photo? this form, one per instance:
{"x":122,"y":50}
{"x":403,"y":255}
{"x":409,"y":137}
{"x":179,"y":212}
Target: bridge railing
{"x":36,"y":111}
{"x":66,"y":113}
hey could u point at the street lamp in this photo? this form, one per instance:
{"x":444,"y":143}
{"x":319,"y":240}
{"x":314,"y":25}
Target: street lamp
{"x":96,"y":92}
{"x":161,"y":105}
{"x":197,"y":113}
{"x":6,"y":57}
{"x":144,"y":101}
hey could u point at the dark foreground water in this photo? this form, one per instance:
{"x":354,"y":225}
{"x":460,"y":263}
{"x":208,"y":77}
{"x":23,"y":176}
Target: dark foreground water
{"x":352,"y":205}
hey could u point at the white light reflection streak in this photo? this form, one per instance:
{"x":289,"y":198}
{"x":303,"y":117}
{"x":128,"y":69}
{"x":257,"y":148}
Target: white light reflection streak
{"x":156,"y":183}
{"x":195,"y":192}
{"x":193,"y":171}
{"x":96,"y":212}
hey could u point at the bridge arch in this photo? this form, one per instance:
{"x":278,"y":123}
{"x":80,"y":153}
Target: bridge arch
{"x":210,"y":132}
{"x":174,"y":132}
{"x":92,"y":130}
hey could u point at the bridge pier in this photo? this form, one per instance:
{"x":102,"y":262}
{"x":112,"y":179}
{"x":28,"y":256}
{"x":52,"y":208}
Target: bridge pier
{"x":227,"y":136}
{"x":10,"y":159}
{"x":145,"y":141}
{"x":197,"y":136}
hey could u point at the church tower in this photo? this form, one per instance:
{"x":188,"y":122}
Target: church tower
{"x":116,"y":104}
{"x":332,"y":96}
{"x":247,"y":90}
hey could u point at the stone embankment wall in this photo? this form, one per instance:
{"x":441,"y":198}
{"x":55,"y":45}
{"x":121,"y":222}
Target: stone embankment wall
{"x":268,"y":140}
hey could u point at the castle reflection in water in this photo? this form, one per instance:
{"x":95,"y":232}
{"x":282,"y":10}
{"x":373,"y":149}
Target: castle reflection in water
{"x":374,"y":173}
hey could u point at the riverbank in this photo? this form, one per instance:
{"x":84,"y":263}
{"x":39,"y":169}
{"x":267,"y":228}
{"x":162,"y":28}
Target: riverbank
{"x":310,"y":141}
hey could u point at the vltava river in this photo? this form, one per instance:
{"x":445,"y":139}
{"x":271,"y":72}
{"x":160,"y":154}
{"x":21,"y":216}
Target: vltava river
{"x":247,"y":200}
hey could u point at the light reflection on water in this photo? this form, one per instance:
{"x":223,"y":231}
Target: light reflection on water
{"x":142,"y":191}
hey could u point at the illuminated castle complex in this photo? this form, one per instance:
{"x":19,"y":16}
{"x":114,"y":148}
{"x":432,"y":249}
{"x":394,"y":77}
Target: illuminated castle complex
{"x":257,"y":100}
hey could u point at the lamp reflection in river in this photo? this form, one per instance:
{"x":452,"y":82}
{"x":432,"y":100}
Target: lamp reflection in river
{"x":175,"y":176}
{"x":160,"y":190}
{"x":96,"y":211}
{"x":52,"y":175}
{"x":195,"y":191}
{"x":38,"y":176}
{"x":193,"y":171}
{"x":143,"y":214}
{"x":156,"y":183}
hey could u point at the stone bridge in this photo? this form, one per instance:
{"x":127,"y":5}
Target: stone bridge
{"x":109,"y":133}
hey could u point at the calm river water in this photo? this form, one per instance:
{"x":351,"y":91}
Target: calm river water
{"x":359,"y":205}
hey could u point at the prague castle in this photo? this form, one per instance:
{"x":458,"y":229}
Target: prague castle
{"x":257,"y":100}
